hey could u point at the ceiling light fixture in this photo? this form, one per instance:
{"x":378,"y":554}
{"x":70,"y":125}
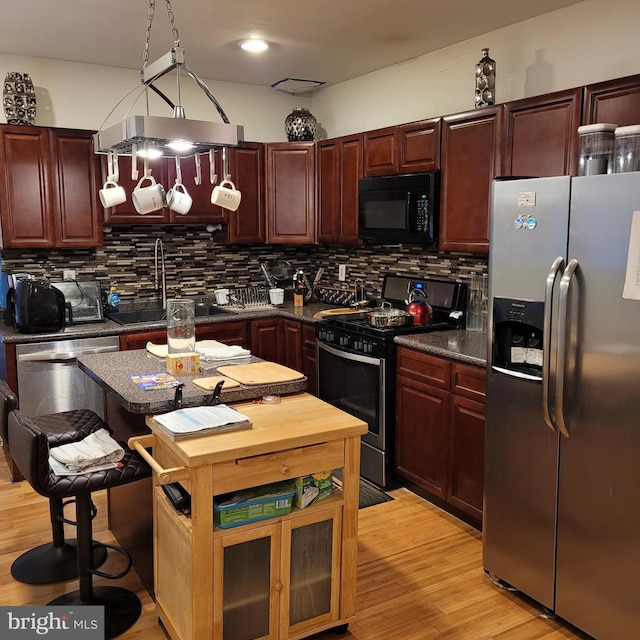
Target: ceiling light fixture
{"x":177,"y":136}
{"x":254,"y":45}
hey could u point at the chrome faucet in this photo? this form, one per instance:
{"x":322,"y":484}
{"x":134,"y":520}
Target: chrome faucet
{"x":157,"y":282}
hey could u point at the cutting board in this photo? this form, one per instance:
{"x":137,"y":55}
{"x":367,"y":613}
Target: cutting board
{"x":209,"y":384}
{"x":260,"y":373}
{"x":340,"y":311}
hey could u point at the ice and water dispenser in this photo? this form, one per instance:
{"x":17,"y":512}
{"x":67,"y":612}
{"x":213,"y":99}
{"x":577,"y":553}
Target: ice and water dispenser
{"x":518,"y":336}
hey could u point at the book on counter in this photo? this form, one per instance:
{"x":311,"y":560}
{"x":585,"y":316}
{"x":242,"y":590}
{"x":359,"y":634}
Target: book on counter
{"x":200,"y":421}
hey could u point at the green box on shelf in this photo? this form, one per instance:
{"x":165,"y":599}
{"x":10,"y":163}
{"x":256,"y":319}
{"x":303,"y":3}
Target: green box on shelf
{"x":312,"y":489}
{"x":253,"y":505}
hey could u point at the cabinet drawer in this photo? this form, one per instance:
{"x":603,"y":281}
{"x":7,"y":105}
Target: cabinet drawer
{"x":424,"y":368}
{"x":254,"y":471}
{"x":469,"y":382}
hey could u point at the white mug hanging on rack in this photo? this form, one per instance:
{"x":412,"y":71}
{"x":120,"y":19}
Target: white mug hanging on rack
{"x":225,"y":197}
{"x":150,"y":198}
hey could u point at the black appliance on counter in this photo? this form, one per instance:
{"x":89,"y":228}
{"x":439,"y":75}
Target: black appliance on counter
{"x":356,"y":364}
{"x":397,"y":209}
{"x":36,"y":306}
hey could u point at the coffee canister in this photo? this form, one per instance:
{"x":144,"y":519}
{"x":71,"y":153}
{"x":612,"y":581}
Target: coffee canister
{"x":627,"y":149}
{"x":596,"y":143}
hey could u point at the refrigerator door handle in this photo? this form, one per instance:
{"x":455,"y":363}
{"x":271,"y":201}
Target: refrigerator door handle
{"x":552,"y":276}
{"x":563,"y":304}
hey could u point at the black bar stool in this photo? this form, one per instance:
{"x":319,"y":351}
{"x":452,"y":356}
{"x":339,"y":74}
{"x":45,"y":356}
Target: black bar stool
{"x":53,"y":561}
{"x":30,"y":450}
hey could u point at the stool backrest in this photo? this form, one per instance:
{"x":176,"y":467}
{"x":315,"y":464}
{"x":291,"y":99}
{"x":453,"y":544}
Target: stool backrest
{"x":8,"y":402}
{"x":30,"y":451}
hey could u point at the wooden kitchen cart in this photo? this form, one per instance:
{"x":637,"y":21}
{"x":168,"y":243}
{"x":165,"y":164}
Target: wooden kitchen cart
{"x":286,"y":577}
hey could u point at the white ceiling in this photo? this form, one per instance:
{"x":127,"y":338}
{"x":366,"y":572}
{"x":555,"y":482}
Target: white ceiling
{"x":325,"y":40}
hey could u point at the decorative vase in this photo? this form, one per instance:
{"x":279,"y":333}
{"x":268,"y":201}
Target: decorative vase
{"x":300,"y":125}
{"x":19,"y":99}
{"x":485,"y":81}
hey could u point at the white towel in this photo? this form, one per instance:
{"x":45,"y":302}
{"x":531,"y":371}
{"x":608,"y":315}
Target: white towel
{"x":97,"y":448}
{"x":223,"y":353}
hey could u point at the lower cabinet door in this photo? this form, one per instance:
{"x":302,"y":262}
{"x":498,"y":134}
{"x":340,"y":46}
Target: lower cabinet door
{"x":311,"y":567}
{"x":247,"y":585}
{"x":279,"y":580}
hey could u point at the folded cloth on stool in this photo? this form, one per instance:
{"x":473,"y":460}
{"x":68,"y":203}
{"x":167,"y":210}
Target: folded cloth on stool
{"x":97,"y":448}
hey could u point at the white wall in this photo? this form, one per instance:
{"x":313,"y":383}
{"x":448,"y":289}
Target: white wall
{"x":589,"y":42}
{"x":81,"y":96}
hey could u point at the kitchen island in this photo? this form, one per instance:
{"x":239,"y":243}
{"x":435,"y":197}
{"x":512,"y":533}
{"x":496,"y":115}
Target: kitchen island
{"x":285,"y":577}
{"x":126,"y":406}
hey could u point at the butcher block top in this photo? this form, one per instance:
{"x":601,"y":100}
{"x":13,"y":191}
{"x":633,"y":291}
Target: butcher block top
{"x":299,"y":420}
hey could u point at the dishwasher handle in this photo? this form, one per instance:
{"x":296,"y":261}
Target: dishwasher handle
{"x":62,"y":356}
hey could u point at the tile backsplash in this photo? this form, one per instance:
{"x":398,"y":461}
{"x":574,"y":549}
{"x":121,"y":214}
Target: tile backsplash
{"x":195,"y":264}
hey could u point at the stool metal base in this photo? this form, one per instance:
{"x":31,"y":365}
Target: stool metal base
{"x":122,"y":607}
{"x":47,"y":563}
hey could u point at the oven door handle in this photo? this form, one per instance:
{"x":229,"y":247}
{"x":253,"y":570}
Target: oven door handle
{"x":347,"y":355}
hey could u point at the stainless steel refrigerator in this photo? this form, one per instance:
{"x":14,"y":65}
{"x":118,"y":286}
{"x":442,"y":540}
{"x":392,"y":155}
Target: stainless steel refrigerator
{"x":562,"y":474}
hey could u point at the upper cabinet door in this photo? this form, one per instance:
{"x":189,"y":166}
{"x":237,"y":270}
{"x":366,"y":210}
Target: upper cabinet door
{"x":381,"y":152}
{"x":76,"y":180}
{"x":339,"y":162}
{"x":25,"y":188}
{"x":615,"y":101}
{"x":420,"y":146}
{"x":246,"y":165}
{"x":470,"y":161}
{"x":291,"y":192}
{"x":541,"y":135}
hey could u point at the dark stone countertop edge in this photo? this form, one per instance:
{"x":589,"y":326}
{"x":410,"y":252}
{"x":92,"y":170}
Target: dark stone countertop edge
{"x":112,"y":370}
{"x":469,"y":347}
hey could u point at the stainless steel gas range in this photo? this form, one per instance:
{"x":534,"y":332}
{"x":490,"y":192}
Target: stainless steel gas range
{"x":356,"y":364}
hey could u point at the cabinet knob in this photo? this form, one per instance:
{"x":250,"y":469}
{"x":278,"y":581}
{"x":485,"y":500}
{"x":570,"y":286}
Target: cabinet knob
{"x":277,"y":585}
{"x":284,"y":470}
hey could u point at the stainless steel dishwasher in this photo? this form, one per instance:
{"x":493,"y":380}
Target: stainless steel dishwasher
{"x":49,"y":379}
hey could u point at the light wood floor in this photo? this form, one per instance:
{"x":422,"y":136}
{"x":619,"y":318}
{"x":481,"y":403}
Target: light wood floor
{"x":419,"y":578}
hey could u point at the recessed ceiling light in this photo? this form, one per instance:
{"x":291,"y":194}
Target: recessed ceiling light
{"x":254,"y":45}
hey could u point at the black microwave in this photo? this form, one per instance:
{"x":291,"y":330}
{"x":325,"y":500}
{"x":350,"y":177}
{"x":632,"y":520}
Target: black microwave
{"x":397,"y":209}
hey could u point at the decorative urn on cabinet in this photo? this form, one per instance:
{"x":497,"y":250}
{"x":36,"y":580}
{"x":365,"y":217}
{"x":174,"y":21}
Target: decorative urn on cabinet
{"x":300,"y":125}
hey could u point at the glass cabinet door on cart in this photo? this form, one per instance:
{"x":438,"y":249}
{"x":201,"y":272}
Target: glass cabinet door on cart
{"x":245,"y":583}
{"x":311,"y":567}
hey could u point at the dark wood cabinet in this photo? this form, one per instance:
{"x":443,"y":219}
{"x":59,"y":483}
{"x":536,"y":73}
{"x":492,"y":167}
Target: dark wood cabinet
{"x":470,"y":160}
{"x":292,"y":344}
{"x":246,"y":166}
{"x":126,"y":213}
{"x":440,"y":429}
{"x":339,"y":167}
{"x":290,"y":174}
{"x":267,"y":339}
{"x":381,"y":152}
{"x":540,"y":136}
{"x":420,"y":146}
{"x":231,"y":333}
{"x":614,"y":101}
{"x":49,"y":188}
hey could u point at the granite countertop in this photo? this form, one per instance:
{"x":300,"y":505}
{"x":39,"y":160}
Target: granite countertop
{"x":9,"y":335}
{"x":112,"y":370}
{"x":465,"y":346}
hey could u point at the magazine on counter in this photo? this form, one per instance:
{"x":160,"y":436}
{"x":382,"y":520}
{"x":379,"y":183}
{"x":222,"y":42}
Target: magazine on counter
{"x":200,"y":421}
{"x":149,"y":381}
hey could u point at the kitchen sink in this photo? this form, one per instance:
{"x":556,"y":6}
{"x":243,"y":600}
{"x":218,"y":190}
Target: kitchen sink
{"x":155,"y":315}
